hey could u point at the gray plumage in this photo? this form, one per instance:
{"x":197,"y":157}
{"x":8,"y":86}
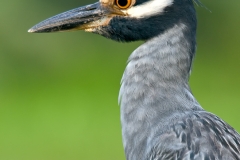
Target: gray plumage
{"x":161,"y":119}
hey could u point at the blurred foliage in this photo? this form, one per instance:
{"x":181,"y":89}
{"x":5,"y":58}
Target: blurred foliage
{"x":58,"y":92}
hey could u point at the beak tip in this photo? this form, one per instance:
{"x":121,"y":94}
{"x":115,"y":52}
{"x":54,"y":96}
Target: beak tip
{"x":31,"y":30}
{"x":35,"y":29}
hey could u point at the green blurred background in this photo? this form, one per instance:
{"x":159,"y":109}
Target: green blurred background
{"x":58,"y":92}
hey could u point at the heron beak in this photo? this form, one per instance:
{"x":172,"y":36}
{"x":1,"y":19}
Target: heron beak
{"x":83,"y":18}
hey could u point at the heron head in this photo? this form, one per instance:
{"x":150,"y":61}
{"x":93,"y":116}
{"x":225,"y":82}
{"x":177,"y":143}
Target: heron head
{"x":122,"y":20}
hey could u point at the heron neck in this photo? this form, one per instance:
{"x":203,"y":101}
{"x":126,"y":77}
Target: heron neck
{"x":158,"y":71}
{"x":155,"y":87}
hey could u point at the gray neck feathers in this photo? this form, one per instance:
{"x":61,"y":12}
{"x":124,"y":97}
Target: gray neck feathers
{"x":155,"y":87}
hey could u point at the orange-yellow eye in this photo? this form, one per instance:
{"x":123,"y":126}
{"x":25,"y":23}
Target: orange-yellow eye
{"x":123,"y":4}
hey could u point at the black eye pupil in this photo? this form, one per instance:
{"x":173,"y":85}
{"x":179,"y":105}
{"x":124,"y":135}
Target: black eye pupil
{"x":122,"y":2}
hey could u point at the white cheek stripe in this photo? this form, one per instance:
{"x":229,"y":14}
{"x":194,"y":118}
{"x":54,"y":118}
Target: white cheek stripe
{"x":147,"y":9}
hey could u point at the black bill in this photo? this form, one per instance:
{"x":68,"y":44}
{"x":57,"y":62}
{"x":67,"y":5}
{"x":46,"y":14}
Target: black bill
{"x":82,"y":18}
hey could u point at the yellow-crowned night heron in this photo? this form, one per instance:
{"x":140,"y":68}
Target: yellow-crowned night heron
{"x":161,"y":120}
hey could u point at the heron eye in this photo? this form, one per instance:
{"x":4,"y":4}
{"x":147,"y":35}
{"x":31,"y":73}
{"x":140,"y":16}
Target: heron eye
{"x":123,"y":4}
